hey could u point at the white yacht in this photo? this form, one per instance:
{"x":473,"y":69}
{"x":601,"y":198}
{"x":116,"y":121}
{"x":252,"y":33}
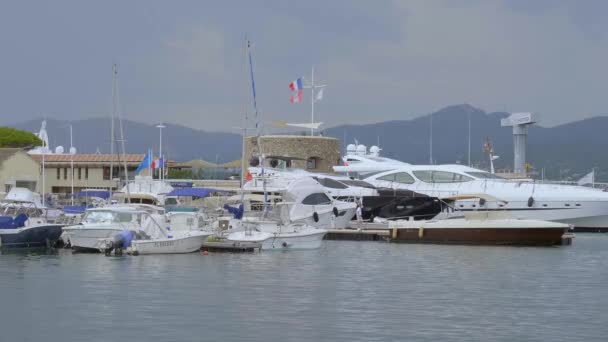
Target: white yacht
{"x":584,"y":208}
{"x":305,"y":200}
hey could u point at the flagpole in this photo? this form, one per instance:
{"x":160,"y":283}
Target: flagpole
{"x":312,"y":101}
{"x":160,"y":127}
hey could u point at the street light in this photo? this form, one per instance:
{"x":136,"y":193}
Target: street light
{"x":160,"y":127}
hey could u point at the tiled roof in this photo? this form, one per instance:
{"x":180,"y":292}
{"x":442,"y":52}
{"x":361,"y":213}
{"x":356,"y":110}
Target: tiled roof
{"x":89,"y":158}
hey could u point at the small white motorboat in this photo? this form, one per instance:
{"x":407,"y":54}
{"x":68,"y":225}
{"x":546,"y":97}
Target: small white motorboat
{"x":182,"y":234}
{"x":179,"y":242}
{"x":276,"y":236}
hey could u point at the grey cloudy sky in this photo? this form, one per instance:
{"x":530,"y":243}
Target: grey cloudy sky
{"x":181,"y":61}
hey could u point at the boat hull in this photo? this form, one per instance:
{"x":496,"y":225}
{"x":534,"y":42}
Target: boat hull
{"x":179,"y":245}
{"x":89,"y":239}
{"x":299,"y":240}
{"x":308,"y":239}
{"x":37,"y":236}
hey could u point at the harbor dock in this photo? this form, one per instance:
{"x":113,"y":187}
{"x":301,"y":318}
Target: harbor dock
{"x":369,"y":231}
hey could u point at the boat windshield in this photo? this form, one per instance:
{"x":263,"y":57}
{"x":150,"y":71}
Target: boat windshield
{"x":330,"y":183}
{"x":106,"y":217}
{"x":432,"y":176}
{"x":483,"y":175}
{"x":358,"y":183}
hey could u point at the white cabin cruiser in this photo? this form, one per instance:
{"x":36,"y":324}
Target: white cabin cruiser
{"x":584,"y":208}
{"x":102,"y":223}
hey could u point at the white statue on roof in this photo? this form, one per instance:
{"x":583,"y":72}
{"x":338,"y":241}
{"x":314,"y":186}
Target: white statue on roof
{"x":42,"y":135}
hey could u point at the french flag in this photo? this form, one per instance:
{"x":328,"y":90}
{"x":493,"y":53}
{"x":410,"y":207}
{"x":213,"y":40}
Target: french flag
{"x":296,"y":85}
{"x":296,"y":98}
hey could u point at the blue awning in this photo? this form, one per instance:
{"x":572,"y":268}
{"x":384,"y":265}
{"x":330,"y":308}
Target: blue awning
{"x":193,"y":192}
{"x":74,"y":209}
{"x":93,"y":193}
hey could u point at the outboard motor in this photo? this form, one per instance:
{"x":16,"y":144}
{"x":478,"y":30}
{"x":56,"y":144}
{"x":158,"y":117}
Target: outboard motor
{"x":120,"y":242}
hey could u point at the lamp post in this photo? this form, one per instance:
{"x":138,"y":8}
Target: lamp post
{"x":160,"y":127}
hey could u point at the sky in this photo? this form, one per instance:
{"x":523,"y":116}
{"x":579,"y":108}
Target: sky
{"x":183,"y":62}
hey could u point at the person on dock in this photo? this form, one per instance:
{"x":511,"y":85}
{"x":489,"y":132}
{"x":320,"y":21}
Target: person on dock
{"x":359,"y":213}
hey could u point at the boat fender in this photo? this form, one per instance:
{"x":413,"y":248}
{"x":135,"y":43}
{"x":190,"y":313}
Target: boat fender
{"x":335,"y":212}
{"x":482,"y":202}
{"x":420,"y":232}
{"x":284,"y":244}
{"x":315,"y":216}
{"x":530,"y":201}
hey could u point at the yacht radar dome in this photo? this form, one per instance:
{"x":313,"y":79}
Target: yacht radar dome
{"x":375,"y":151}
{"x":59,"y":150}
{"x":351,"y":149}
{"x":361,"y":150}
{"x":72,"y":150}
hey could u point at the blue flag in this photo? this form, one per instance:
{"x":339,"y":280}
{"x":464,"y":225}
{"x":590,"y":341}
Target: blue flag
{"x":144,"y":163}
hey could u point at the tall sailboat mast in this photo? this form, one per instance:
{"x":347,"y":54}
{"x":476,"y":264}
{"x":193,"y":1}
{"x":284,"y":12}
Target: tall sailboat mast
{"x":257,"y":126}
{"x":116,"y":112}
{"x":244,"y":128}
{"x":112,"y":136}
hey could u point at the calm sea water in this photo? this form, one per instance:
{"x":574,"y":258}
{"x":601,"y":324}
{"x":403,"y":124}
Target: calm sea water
{"x":346,"y":291}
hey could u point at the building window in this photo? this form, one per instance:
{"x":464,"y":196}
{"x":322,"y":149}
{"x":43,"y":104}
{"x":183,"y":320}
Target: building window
{"x":79,"y":173}
{"x":65,"y":173}
{"x":311,"y":163}
{"x":106,"y":173}
{"x":58,"y":173}
{"x":86,"y":173}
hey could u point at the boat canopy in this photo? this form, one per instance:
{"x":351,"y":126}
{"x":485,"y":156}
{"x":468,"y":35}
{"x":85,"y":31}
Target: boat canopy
{"x":75,"y":209}
{"x":193,"y":192}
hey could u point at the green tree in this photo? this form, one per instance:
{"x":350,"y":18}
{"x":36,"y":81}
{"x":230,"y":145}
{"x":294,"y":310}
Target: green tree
{"x":180,"y":174}
{"x":12,"y":137}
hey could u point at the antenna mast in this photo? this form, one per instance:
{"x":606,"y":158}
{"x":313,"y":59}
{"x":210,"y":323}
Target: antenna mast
{"x":312,"y":87}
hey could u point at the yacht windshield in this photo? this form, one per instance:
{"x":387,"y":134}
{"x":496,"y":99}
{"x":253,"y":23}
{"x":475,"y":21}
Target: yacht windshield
{"x":316,"y":199}
{"x":330,"y":183}
{"x":106,"y":216}
{"x":483,"y":175}
{"x":99,"y":217}
{"x":431,"y":176}
{"x":358,"y":183}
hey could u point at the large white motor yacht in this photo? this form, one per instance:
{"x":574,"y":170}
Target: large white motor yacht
{"x":584,"y":208}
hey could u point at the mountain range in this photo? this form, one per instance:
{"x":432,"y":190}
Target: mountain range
{"x":565,"y":151}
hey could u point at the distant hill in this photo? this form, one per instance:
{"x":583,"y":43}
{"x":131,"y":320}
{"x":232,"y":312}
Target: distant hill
{"x":179,"y":143}
{"x":571,"y":149}
{"x":567,"y":150}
